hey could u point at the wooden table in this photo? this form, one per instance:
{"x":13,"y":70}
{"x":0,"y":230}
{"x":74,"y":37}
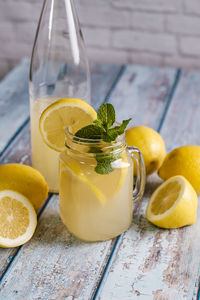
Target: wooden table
{"x":143,"y":263}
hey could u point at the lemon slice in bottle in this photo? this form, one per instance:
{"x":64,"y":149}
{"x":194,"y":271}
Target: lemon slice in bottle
{"x":62,"y":113}
{"x":173,"y":204}
{"x":18,"y":219}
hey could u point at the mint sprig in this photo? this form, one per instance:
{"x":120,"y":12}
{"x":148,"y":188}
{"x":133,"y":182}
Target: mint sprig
{"x":102,"y":128}
{"x":90,"y":132}
{"x":106,"y":116}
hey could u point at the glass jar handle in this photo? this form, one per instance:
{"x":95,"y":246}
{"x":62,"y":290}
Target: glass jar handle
{"x":141,"y":173}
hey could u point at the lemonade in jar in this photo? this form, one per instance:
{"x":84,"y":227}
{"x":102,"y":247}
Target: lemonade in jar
{"x":93,"y":206}
{"x":96,"y":181}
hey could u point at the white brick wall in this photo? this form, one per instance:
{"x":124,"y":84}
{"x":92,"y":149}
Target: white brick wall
{"x":151,"y":42}
{"x":155,"y":32}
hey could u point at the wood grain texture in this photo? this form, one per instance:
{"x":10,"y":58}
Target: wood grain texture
{"x":183,"y":114}
{"x":102,"y":79}
{"x":14,"y":102}
{"x":54,"y":265}
{"x":19,"y":150}
{"x":151,"y":263}
{"x":142,"y":94}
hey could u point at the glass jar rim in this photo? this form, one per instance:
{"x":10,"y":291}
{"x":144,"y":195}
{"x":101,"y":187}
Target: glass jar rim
{"x":118,"y":145}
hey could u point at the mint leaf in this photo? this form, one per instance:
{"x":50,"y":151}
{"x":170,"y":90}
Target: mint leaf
{"x":118,"y":130}
{"x":106,"y":137}
{"x":110,"y":136}
{"x":89,"y":132}
{"x":103,"y":168}
{"x":104,"y":162}
{"x":123,"y":126}
{"x":101,"y":129}
{"x":95,"y":150}
{"x":114,"y":132}
{"x":98,"y":123}
{"x":106,"y":114}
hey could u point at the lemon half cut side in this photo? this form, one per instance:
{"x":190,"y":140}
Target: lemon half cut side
{"x":18,"y":219}
{"x":173,"y":204}
{"x":62,"y":113}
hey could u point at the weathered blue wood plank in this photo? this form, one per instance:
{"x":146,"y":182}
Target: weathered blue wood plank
{"x":142,"y":94}
{"x":102,"y":79}
{"x":151,"y":263}
{"x":14,"y":102}
{"x":54,"y":265}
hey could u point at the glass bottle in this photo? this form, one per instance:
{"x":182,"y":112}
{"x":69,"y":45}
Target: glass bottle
{"x":59,"y":69}
{"x":93,"y":206}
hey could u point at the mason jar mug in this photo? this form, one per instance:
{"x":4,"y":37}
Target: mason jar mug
{"x":96,"y":186}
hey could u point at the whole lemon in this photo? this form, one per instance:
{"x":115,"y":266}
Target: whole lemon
{"x":150,"y":143}
{"x":183,"y":161}
{"x":24,"y":180}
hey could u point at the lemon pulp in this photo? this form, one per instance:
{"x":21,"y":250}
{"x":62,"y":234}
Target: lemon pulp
{"x":60,"y":114}
{"x":165,"y":198}
{"x":17,"y":219}
{"x":173,"y":204}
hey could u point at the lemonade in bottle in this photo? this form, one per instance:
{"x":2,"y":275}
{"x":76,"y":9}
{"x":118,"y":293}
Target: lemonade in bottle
{"x":59,"y":69}
{"x":44,"y":158}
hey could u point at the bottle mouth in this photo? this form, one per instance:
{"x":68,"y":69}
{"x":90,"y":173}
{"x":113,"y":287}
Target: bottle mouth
{"x":92,"y":146}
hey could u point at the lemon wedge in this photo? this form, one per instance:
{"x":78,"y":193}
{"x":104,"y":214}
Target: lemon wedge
{"x":173,"y":204}
{"x":18,"y":219}
{"x":62,"y":113}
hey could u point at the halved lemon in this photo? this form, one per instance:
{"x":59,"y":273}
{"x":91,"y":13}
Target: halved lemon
{"x":18,"y":219}
{"x":62,"y":113}
{"x":173,"y":204}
